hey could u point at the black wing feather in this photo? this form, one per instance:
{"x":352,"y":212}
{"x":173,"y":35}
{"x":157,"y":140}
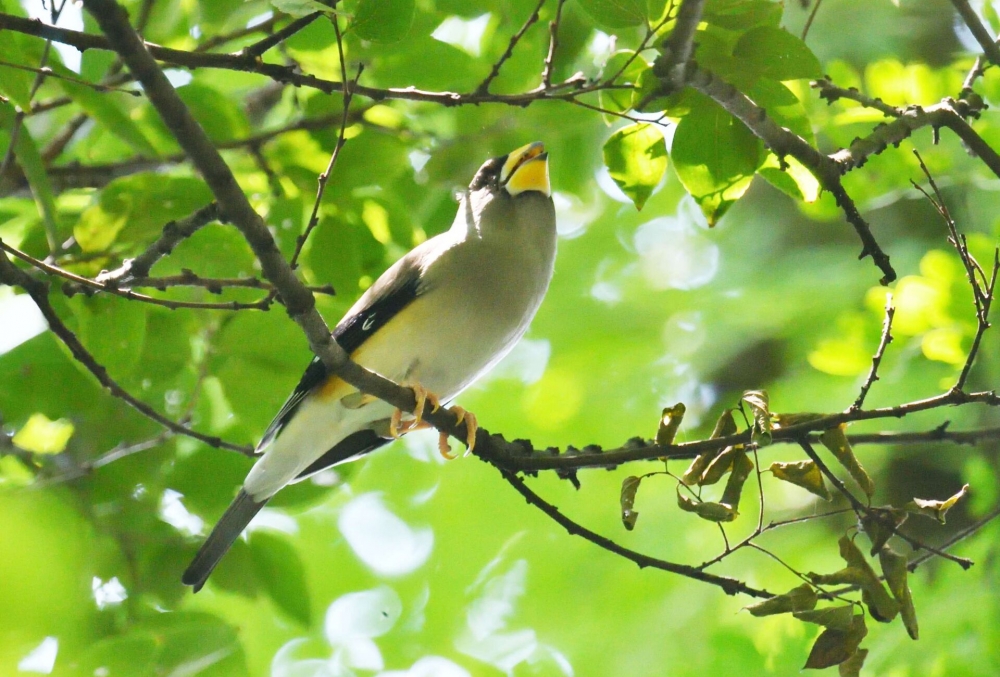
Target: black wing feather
{"x":388,"y":299}
{"x":354,"y":445}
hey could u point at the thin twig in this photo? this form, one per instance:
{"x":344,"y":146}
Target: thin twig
{"x":860,"y":507}
{"x":341,"y":140}
{"x":886,"y":339}
{"x":48,"y":72}
{"x":38,"y":291}
{"x":983,"y":37}
{"x":809,"y":21}
{"x":484,"y":86}
{"x":553,"y":46}
{"x":258,"y":48}
{"x":730,"y":586}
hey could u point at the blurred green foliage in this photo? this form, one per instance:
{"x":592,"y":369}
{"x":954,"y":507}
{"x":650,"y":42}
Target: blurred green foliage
{"x":402,"y":561}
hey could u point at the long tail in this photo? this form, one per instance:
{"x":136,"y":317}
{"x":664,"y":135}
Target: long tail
{"x":225,"y":533}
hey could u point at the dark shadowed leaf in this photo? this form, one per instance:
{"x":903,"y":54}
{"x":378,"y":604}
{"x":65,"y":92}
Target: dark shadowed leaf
{"x":833,"y":647}
{"x":616,"y":13}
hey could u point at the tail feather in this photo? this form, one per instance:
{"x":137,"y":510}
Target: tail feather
{"x":225,"y":533}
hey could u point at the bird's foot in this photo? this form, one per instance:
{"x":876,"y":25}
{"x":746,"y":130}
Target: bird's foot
{"x":396,"y":425}
{"x":471,"y":426}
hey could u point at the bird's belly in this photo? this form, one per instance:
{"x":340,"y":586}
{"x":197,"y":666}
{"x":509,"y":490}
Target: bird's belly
{"x":443,"y":342}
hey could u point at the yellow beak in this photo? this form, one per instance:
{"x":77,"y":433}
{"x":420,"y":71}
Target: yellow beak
{"x":526,"y":168}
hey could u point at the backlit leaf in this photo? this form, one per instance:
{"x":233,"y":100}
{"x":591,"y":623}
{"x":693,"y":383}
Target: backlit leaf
{"x":630,"y":485}
{"x":383,"y":20}
{"x":636,"y":158}
{"x":803,"y":474}
{"x":835,"y":439}
{"x":936,"y":509}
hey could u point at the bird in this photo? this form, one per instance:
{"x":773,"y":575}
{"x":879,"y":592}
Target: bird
{"x":436,"y":320}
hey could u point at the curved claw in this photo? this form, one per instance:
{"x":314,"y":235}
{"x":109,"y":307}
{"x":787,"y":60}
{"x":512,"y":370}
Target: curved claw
{"x":471,"y":426}
{"x":422,"y":396}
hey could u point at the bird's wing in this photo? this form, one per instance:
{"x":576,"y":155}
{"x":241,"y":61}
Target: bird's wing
{"x":393,"y":291}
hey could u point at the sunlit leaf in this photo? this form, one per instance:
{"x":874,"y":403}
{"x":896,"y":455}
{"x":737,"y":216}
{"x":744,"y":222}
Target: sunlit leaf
{"x":630,"y":485}
{"x":724,"y":426}
{"x":28,"y":157}
{"x":757,"y":400}
{"x":670,"y":421}
{"x":802,"y":598}
{"x":41,"y":435}
{"x":936,"y":509}
{"x":715,"y":157}
{"x":805,"y":474}
{"x":835,"y":439}
{"x":894,"y":568}
{"x":632,"y":68}
{"x":636,"y":158}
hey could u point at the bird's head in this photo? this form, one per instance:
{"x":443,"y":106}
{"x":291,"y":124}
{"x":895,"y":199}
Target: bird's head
{"x":513,"y":191}
{"x":525,"y":170}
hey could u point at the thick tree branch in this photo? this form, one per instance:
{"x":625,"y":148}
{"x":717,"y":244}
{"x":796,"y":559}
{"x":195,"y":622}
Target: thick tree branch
{"x":785,"y":142}
{"x":983,"y":37}
{"x":680,"y":45}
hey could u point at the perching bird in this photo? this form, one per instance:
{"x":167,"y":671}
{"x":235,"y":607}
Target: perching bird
{"x":436,"y":320}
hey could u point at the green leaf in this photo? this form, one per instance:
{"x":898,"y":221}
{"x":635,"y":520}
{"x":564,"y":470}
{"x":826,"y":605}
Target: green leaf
{"x":739,"y":15}
{"x":621,"y":100}
{"x":636,"y":157}
{"x":134,"y":209}
{"x":630,"y":485}
{"x":777,"y":54}
{"x":894,"y":568}
{"x":803,"y":474}
{"x":383,"y":20}
{"x":707,"y":510}
{"x":41,"y":435}
{"x":802,"y":598}
{"x":715,"y":157}
{"x":280,"y":572}
{"x":31,"y":163}
{"x":14,"y":82}
{"x":113,"y":330}
{"x":836,"y":617}
{"x":835,"y":439}
{"x":759,"y":405}
{"x":852,"y":666}
{"x":936,"y":509}
{"x":616,"y":13}
{"x":106,"y":109}
{"x":299,"y":8}
{"x":220,"y":115}
{"x":833,"y":647}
